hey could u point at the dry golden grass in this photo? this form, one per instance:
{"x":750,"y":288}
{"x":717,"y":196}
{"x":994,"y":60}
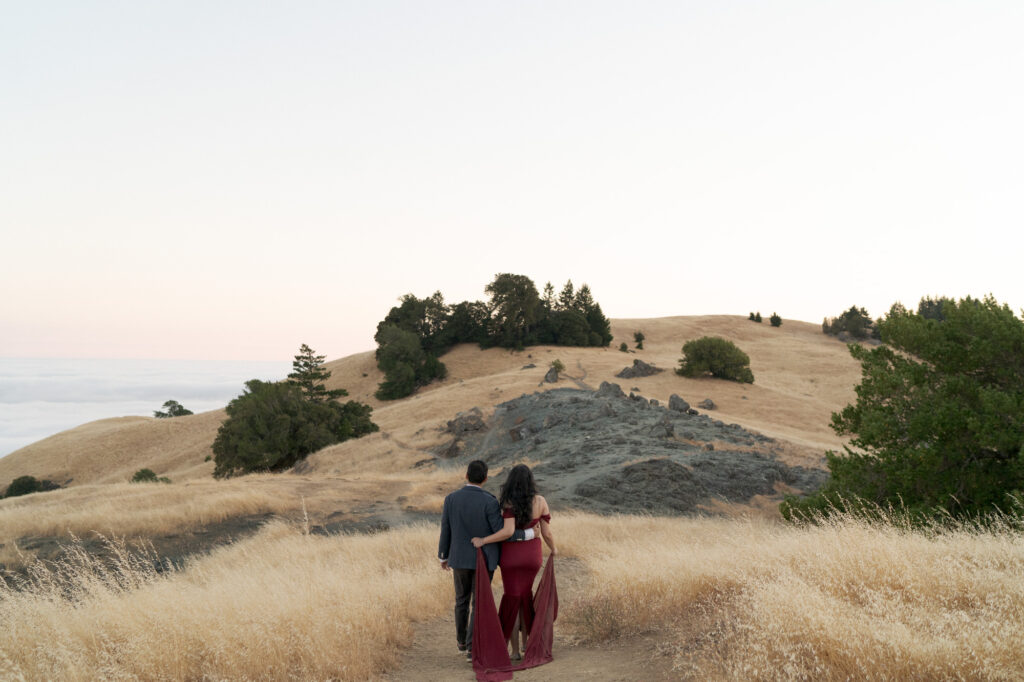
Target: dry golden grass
{"x":283,"y":605}
{"x":151,"y":510}
{"x":752,"y":599}
{"x":740,"y":599}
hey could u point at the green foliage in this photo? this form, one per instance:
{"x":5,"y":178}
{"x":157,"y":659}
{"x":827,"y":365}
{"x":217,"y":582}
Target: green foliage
{"x":775,"y":320}
{"x":558,"y":366}
{"x":638,"y":337}
{"x":24,"y":485}
{"x":931,"y":308}
{"x":516,"y":316}
{"x":938,"y":424}
{"x":309,"y":374}
{"x":272,"y":426}
{"x":755,"y":317}
{"x":405,"y":364}
{"x":172,"y":408}
{"x":623,"y":347}
{"x":567,"y":297}
{"x":516,"y":309}
{"x":856,"y":322}
{"x":148,"y":476}
{"x":717,"y":357}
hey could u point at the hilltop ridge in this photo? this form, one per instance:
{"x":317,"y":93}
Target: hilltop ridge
{"x":802,"y":376}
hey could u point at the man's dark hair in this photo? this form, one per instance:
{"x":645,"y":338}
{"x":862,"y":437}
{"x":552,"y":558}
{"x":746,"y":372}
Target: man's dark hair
{"x":476,"y":472}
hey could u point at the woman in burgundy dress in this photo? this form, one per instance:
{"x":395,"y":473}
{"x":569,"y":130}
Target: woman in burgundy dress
{"x":523,"y":508}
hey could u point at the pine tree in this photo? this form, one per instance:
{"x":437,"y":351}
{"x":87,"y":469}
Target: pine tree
{"x":548,"y":299}
{"x":309,"y":374}
{"x":584,"y":301}
{"x":567,"y":298}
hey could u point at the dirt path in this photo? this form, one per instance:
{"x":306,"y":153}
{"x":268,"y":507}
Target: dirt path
{"x":433,"y":656}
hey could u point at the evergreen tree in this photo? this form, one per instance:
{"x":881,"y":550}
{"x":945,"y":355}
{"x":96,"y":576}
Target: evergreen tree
{"x":405,"y":364}
{"x":584,"y":300}
{"x":638,"y":337}
{"x":549,"y":300}
{"x":567,"y":297}
{"x":775,"y":320}
{"x":516,"y":306}
{"x":172,"y":408}
{"x":309,"y":374}
{"x":272,"y":426}
{"x":938,"y":423}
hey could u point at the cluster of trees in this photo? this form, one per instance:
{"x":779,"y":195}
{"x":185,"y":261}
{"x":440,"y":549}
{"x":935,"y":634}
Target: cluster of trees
{"x":716,"y":357}
{"x":856,"y":322}
{"x":775,"y":320}
{"x":417,"y":332}
{"x":23,"y":485}
{"x":172,"y":408}
{"x":938,"y":424}
{"x":272,"y":426}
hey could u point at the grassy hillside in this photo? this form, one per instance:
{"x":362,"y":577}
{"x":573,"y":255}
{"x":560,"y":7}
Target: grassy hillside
{"x":802,"y":376}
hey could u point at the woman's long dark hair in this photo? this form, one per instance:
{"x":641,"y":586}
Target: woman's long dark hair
{"x":517,"y":493}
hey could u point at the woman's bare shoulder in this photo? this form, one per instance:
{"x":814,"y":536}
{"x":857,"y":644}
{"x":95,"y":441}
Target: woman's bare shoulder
{"x":540,"y":505}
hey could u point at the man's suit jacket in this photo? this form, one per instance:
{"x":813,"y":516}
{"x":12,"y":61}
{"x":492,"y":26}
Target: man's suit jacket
{"x":470,"y":512}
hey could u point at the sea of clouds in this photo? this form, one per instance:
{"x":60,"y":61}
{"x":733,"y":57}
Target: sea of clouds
{"x":41,"y":397}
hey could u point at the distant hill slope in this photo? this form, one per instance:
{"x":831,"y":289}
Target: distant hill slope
{"x":801,"y":377}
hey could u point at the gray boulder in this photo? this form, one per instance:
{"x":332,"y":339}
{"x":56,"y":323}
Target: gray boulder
{"x":609,"y":390}
{"x":552,"y":376}
{"x":706,"y":404}
{"x":677,"y":404}
{"x":467,"y":422}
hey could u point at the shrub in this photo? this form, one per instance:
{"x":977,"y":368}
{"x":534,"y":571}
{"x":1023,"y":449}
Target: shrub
{"x":24,"y":485}
{"x":639,"y":337}
{"x":775,"y":320}
{"x":271,"y":427}
{"x":172,"y":408}
{"x":558,"y":366}
{"x":717,"y":357}
{"x":148,"y":476}
{"x":623,"y":347}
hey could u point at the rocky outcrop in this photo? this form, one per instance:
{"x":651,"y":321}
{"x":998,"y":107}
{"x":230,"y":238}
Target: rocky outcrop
{"x":608,"y":452}
{"x":639,"y":369}
{"x":552,"y":376}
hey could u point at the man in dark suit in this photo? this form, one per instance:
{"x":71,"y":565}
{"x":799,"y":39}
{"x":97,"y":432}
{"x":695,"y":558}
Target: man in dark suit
{"x":468,"y":513}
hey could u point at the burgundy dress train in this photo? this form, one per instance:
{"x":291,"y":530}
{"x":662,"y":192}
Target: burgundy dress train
{"x":491,"y":662}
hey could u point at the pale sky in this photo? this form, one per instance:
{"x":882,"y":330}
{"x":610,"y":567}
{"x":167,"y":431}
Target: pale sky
{"x":232,"y":179}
